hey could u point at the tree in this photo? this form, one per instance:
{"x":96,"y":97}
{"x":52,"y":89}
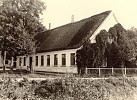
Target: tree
{"x":82,"y":55}
{"x":112,"y":49}
{"x":102,"y":42}
{"x":122,"y":44}
{"x":92,"y":55}
{"x":19,"y":23}
{"x":132,"y":34}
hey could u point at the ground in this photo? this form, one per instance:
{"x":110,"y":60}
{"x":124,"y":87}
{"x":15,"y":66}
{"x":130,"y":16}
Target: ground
{"x":66,"y":87}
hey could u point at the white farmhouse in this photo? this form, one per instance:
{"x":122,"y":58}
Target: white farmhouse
{"x":58,"y":46}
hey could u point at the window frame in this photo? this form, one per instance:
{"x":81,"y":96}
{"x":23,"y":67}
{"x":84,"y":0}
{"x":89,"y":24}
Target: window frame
{"x":14,"y":61}
{"x":24,"y":61}
{"x":55,"y":59}
{"x":63,"y":59}
{"x":36,"y":60}
{"x":20,"y":61}
{"x":6,"y":61}
{"x":72,"y":60}
{"x":48,"y":60}
{"x":42,"y":60}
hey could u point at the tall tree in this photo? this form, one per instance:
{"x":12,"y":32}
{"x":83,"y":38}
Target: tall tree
{"x":19,"y":22}
{"x":93,"y":55}
{"x":132,"y":34}
{"x":122,"y":43}
{"x":112,"y":49}
{"x":102,"y":42}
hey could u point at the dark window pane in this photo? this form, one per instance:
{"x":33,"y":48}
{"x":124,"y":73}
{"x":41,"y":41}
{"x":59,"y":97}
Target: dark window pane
{"x":42,"y":60}
{"x":55,"y":59}
{"x":63,"y":59}
{"x":14,"y":62}
{"x":24,"y":61}
{"x":72,"y":59}
{"x":6,"y":62}
{"x":48,"y":60}
{"x":20,"y":61}
{"x":36,"y":60}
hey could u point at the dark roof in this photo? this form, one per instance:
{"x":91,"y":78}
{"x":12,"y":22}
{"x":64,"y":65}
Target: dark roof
{"x":71,"y":35}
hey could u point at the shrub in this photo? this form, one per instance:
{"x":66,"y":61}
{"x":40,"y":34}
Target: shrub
{"x":68,"y":88}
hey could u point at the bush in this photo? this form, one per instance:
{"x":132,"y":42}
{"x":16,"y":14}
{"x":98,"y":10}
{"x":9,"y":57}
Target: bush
{"x":68,"y":88}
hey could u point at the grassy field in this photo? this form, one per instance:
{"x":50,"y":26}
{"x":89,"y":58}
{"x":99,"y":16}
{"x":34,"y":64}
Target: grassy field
{"x":66,"y":87}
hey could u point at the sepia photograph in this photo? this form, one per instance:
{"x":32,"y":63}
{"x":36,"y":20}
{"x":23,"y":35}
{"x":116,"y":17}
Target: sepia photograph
{"x":68,"y":50}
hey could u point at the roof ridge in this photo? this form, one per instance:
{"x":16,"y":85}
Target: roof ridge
{"x":108,"y":11}
{"x":70,"y":35}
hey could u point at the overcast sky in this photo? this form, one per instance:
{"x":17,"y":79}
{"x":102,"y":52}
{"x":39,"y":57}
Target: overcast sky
{"x":59,"y":12}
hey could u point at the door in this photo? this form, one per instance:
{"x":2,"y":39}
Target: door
{"x":30,"y":63}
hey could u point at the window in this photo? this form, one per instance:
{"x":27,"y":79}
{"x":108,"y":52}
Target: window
{"x":55,"y":59}
{"x":63,"y":59}
{"x":20,"y":61}
{"x":24,"y":61}
{"x":14,"y":59}
{"x":14,"y":62}
{"x":48,"y":60}
{"x":72,"y":59}
{"x":36,"y":61}
{"x":42,"y":60}
{"x":6,"y":61}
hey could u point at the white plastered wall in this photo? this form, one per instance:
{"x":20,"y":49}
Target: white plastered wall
{"x":110,"y":21}
{"x":59,"y":68}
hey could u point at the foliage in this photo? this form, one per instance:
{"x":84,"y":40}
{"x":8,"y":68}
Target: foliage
{"x":10,"y":89}
{"x":93,"y":55}
{"x":102,"y":43}
{"x":113,"y":47}
{"x":122,"y":44}
{"x":82,"y":55}
{"x":132,"y":34}
{"x":19,"y":22}
{"x":68,"y":88}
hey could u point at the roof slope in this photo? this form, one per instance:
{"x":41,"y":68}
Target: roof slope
{"x":71,"y":35}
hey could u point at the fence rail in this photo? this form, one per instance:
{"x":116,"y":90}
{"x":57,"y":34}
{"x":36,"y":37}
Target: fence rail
{"x":111,"y":71}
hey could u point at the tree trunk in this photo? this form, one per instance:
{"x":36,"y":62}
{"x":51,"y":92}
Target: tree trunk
{"x":32,"y":65}
{"x":4,"y":59}
{"x":122,"y":66}
{"x":11,"y":64}
{"x":104,"y":62}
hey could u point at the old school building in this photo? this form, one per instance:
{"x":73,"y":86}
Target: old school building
{"x":58,"y":46}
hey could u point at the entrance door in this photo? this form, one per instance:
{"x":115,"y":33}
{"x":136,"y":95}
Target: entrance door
{"x":30,"y":63}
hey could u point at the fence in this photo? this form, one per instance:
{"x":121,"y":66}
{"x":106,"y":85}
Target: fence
{"x":111,"y":71}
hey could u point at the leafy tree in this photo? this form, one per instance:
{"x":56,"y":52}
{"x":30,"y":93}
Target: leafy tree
{"x":102,"y":42}
{"x":132,"y":34}
{"x":82,"y":55}
{"x":92,"y":55}
{"x":122,"y":44}
{"x":112,"y":49}
{"x":19,"y":22}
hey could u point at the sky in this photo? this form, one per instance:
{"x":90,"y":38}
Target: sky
{"x":59,"y":12}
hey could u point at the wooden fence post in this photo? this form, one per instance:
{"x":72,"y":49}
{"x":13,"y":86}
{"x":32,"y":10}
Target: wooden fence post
{"x":4,"y":60}
{"x":99,"y":71}
{"x":125,"y":71}
{"x":86,"y":70}
{"x":112,"y":71}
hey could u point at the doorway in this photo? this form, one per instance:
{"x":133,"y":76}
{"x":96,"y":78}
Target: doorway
{"x":30,"y":63}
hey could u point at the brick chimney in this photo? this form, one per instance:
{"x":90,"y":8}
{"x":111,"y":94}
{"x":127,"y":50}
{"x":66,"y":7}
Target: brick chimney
{"x":72,"y":19}
{"x":49,"y":26}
